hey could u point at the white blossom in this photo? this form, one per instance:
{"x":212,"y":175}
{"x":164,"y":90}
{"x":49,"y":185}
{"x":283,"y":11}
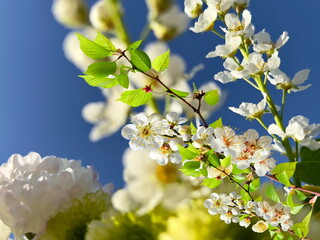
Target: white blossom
{"x":34,"y":189}
{"x":145,"y":132}
{"x":193,"y":8}
{"x":299,"y":129}
{"x":205,"y":21}
{"x":227,"y":49}
{"x":281,"y":80}
{"x":165,"y":154}
{"x":71,"y":13}
{"x":260,"y":227}
{"x":217,"y":203}
{"x":262,"y":41}
{"x":264,"y":166}
{"x":237,"y":27}
{"x":251,"y":110}
{"x":100,"y":16}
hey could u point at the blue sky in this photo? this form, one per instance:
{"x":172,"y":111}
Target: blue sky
{"x":41,"y":96}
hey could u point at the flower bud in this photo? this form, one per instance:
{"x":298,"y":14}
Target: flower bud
{"x":70,"y":13}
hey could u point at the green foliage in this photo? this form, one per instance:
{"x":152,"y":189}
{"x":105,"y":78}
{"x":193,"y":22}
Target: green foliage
{"x":272,"y":193}
{"x":123,"y":80}
{"x":226,"y":162}
{"x":211,"y":182}
{"x":179,"y":93}
{"x":103,"y":41}
{"x":134,"y":45}
{"x":193,"y":128}
{"x":213,"y":159}
{"x":187,"y":153}
{"x":191,"y":168}
{"x":212,"y":97}
{"x":140,"y":60}
{"x":135,"y":98}
{"x":307,"y":154}
{"x":217,"y":124}
{"x":308,"y":171}
{"x":302,"y":229}
{"x":97,"y":74}
{"x":284,"y":171}
{"x":254,"y":185}
{"x":93,"y":49}
{"x":295,"y":208}
{"x":161,"y":63}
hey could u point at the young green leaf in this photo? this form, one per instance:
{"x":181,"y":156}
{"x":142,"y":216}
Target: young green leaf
{"x":179,"y":93}
{"x":134,"y":45}
{"x":161,"y":63}
{"x":217,"y":124}
{"x":295,"y":208}
{"x":103,"y":82}
{"x":101,"y":69}
{"x":123,"y":80}
{"x":212,"y":97}
{"x":140,"y":60}
{"x":302,"y":229}
{"x":307,"y":154}
{"x":186,"y":154}
{"x":192,"y":165}
{"x":213,"y":159}
{"x":254,"y":185}
{"x":226,"y":162}
{"x":284,"y":171}
{"x":92,"y":49}
{"x":193,"y":128}
{"x":103,"y":41}
{"x":211,"y":182}
{"x":135,"y":98}
{"x":190,"y":172}
{"x":272,"y":193}
{"x":308,"y":171}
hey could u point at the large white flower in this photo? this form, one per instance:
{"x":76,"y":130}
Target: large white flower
{"x":235,"y":26}
{"x":108,"y":117}
{"x":205,"y":21}
{"x":71,"y":13}
{"x":34,"y":189}
{"x":145,"y":132}
{"x":281,"y":80}
{"x":299,"y":129}
{"x":149,"y":184}
{"x":257,"y":65}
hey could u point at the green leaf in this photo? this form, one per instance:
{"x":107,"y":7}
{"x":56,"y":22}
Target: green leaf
{"x":295,"y":208}
{"x":284,"y":171}
{"x":103,"y":41}
{"x":302,"y":229}
{"x":272,"y":193}
{"x":211,"y":182}
{"x":308,"y":172}
{"x":135,"y":98}
{"x":123,"y":80}
{"x":161,"y":63}
{"x":236,"y":170}
{"x":140,"y":60}
{"x":212,"y":97}
{"x":186,"y":154}
{"x":226,"y":162}
{"x":191,"y":172}
{"x":217,"y":124}
{"x":100,"y":81}
{"x":278,"y":236}
{"x":300,"y":195}
{"x":213,"y":159}
{"x":254,"y":185}
{"x":101,"y":69}
{"x":245,"y":196}
{"x":307,"y":154}
{"x":191,"y":165}
{"x":92,"y":49}
{"x":134,"y":45}
{"x":179,"y":93}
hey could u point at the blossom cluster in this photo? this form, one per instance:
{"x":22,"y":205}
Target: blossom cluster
{"x":232,"y":209}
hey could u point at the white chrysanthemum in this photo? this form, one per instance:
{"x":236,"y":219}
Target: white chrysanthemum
{"x":100,"y":16}
{"x":299,"y":129}
{"x":71,"y":13}
{"x":281,"y":80}
{"x":251,"y":110}
{"x":193,"y":8}
{"x":145,"y":132}
{"x":170,"y":23}
{"x":107,"y":117}
{"x":149,"y":184}
{"x":34,"y":189}
{"x":205,"y":21}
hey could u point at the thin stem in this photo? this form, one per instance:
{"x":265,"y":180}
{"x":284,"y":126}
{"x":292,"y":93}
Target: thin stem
{"x":266,"y":128}
{"x":283,"y":102}
{"x":218,"y":34}
{"x":168,"y":90}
